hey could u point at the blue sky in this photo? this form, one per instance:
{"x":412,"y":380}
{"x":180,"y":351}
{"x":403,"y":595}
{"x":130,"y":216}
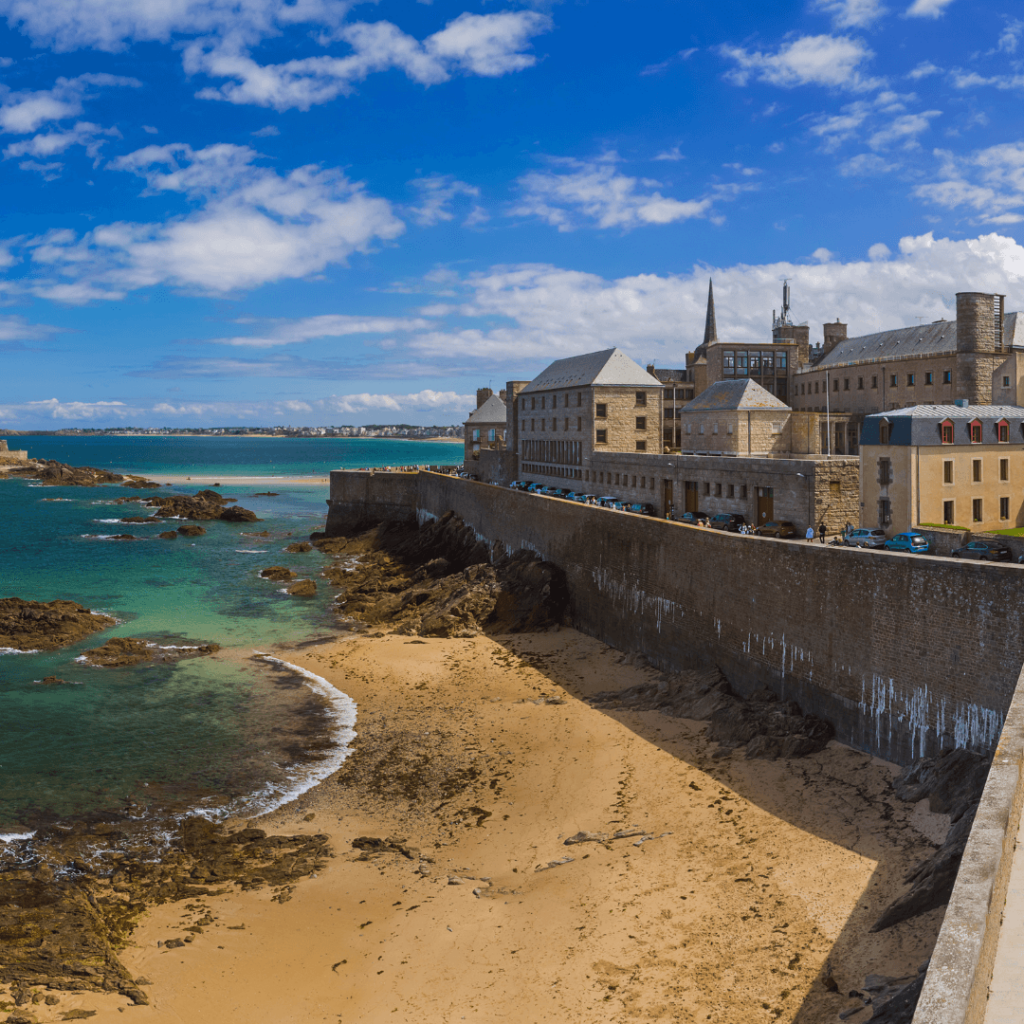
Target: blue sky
{"x":319,"y":211}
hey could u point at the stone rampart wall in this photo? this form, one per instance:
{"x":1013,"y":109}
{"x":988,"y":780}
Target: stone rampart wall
{"x":904,"y":655}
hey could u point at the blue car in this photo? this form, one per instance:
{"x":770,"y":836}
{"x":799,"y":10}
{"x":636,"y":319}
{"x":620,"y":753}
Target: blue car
{"x":915,"y":543}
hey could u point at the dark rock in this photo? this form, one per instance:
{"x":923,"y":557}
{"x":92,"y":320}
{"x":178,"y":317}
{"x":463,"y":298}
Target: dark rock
{"x":137,"y":519}
{"x":266,"y":494}
{"x":120,"y":651}
{"x":168,"y":535}
{"x":190,"y":530}
{"x":53,"y":681}
{"x":239,"y":515}
{"x":299,"y":547}
{"x":203,"y":505}
{"x":45,"y":626}
{"x":303,"y":588}
{"x":953,"y":783}
{"x":278,"y":573}
{"x":124,"y":536}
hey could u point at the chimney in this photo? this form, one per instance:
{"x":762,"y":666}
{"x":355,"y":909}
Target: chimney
{"x":482,"y":394}
{"x":502,"y":394}
{"x":834,"y":333}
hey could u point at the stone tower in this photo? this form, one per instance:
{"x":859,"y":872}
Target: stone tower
{"x":710,"y":326}
{"x":979,"y":344}
{"x":834,"y":333}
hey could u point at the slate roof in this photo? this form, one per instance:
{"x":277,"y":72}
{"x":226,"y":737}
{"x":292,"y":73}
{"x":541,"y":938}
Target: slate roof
{"x":919,"y":425}
{"x":608,"y":368}
{"x":492,"y":411}
{"x":728,"y":395}
{"x":926,"y":339}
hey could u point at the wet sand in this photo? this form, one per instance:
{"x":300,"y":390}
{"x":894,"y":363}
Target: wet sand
{"x":759,"y":880}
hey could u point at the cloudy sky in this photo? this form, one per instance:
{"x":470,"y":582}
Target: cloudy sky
{"x":327,"y":211}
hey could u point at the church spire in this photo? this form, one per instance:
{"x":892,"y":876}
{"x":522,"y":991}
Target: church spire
{"x":710,"y":327}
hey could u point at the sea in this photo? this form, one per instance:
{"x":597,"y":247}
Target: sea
{"x":237,"y":733}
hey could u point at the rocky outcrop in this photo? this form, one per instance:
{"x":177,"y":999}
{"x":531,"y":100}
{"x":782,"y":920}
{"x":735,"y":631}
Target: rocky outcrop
{"x":762,"y":724}
{"x":303,"y":588}
{"x":168,"y":535}
{"x":299,"y":547}
{"x":202,"y":505}
{"x":278,"y":573}
{"x":59,"y":474}
{"x":952,"y":783}
{"x":120,"y":651}
{"x":440,"y":580}
{"x":45,"y":626}
{"x":52,"y":681}
{"x":190,"y":530}
{"x":66,"y":907}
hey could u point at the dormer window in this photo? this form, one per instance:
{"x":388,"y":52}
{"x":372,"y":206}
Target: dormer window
{"x":946,"y":431}
{"x":884,"y":430}
{"x":974,"y":431}
{"x":1003,"y":432}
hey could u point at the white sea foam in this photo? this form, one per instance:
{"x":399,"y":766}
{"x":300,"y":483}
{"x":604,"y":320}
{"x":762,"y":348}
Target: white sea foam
{"x":251,"y":551}
{"x":13,"y":837}
{"x":302,"y":779}
{"x":15,"y":650}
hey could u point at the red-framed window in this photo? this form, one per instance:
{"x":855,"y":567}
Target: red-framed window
{"x":946,"y":431}
{"x":974,"y":431}
{"x":1003,"y":432}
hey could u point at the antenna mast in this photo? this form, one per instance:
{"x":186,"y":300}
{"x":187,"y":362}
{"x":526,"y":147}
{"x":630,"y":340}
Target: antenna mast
{"x":783,"y":319}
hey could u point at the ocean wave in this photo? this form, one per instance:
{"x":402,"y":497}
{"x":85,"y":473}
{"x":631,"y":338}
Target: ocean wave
{"x":303,"y":778}
{"x":15,"y":837}
{"x":251,"y":551}
{"x":15,"y":650}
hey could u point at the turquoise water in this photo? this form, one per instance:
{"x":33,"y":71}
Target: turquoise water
{"x":203,"y":731}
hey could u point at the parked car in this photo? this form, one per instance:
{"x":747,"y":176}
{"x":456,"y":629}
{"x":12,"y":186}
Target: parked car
{"x":609,"y":502}
{"x":520,"y":485}
{"x":641,"y":508}
{"x":984,"y":551}
{"x":915,"y":543}
{"x":585,"y":499}
{"x":730,"y":521}
{"x":865,"y":539}
{"x":533,"y":488}
{"x":783,"y":528}
{"x":693,"y":518}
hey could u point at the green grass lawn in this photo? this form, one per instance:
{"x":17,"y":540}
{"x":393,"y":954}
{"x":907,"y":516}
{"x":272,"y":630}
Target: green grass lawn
{"x":941,"y":526}
{"x":1016,"y":532}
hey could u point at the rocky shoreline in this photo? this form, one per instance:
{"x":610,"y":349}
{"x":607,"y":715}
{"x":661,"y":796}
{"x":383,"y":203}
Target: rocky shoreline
{"x":47,"y":625}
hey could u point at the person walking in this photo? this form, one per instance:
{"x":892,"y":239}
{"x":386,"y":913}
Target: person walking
{"x":821,"y":532}
{"x":809,"y":535}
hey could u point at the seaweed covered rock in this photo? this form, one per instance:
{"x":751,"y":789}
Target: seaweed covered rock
{"x":303,"y":588}
{"x":45,"y":626}
{"x":59,"y":474}
{"x":278,"y":573}
{"x":204,"y":504}
{"x":120,"y":651}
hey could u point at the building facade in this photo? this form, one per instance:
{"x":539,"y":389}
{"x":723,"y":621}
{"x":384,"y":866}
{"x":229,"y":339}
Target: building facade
{"x":485,"y":426}
{"x":943,"y":465}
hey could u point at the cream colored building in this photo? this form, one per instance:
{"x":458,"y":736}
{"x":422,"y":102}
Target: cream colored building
{"x":484,"y":429}
{"x":952,"y":465}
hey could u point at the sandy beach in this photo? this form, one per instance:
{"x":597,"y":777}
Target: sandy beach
{"x":744,"y":890}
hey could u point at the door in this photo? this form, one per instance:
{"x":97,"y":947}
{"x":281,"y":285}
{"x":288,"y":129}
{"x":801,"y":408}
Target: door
{"x":690,"y":490}
{"x":765,"y":505}
{"x":667,"y":507}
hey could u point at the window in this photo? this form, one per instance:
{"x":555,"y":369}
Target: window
{"x":815,"y":387}
{"x":554,"y":422}
{"x":884,"y":472}
{"x":780,"y":360}
{"x":743,"y":491}
{"x":601,"y":410}
{"x":884,"y":512}
{"x":732,"y":491}
{"x":976,"y":470}
{"x":976,"y":510}
{"x":543,"y":401}
{"x":874,"y":383}
{"x":476,"y":435}
{"x":728,"y":364}
{"x":641,"y":423}
{"x":1006,"y":382}
{"x":533,"y":424}
{"x":641,"y":398}
{"x":946,"y":431}
{"x":714,"y":427}
{"x":947,"y":376}
{"x":928,"y":379}
{"x":1002,"y":432}
{"x":1004,"y":469}
{"x":533,"y":403}
{"x":776,"y":427}
{"x":835,"y":384}
{"x":602,"y":437}
{"x":910,"y":380}
{"x":579,"y":399}
{"x":1004,"y":508}
{"x":579,"y":422}
{"x":974,"y":431}
{"x":846,"y":384}
{"x":728,"y":428}
{"x":883,"y":432}
{"x":707,"y":489}
{"x":491,"y":435}
{"x":947,"y":471}
{"x":718,"y":490}
{"x":634,"y":482}
{"x":893,"y":381}
{"x":700,"y":428}
{"x":755,"y":364}
{"x":566,"y":423}
{"x":741,"y":364}
{"x":802,"y":389}
{"x":860,"y":383}
{"x":947,"y":513}
{"x":689,"y":428}
{"x":641,"y":446}
{"x":767,"y":361}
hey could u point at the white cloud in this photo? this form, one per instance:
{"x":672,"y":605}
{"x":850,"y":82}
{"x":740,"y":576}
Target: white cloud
{"x":923,"y":70}
{"x":833,"y":61}
{"x":490,"y":45}
{"x":879,"y":251}
{"x":597,"y":191}
{"x":49,"y":172}
{"x":24,"y":112}
{"x":671,"y":155}
{"x":547,"y":312}
{"x":150,"y":130}
{"x":851,"y":13}
{"x":865,"y":165}
{"x":291,"y":332}
{"x":903,"y":130}
{"x":1010,"y":38}
{"x":989,"y":181}
{"x":91,"y":136}
{"x":17,"y":328}
{"x":928,"y":8}
{"x":437,"y":193}
{"x":676,"y":58}
{"x":266,"y":132}
{"x":249,"y":226}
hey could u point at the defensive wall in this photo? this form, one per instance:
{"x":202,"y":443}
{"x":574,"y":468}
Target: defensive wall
{"x":904,"y":655}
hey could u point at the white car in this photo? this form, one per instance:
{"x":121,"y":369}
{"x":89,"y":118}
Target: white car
{"x":866,"y":539}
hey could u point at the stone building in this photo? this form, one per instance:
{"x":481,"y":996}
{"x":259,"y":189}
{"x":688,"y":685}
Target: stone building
{"x":951,"y":465}
{"x":582,"y":405}
{"x":9,"y":457}
{"x":485,"y":426}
